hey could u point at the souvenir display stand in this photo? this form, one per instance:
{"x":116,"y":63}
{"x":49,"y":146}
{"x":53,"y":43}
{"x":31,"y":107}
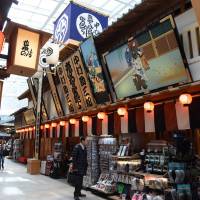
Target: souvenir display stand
{"x":93,"y":169}
{"x":107,"y":148}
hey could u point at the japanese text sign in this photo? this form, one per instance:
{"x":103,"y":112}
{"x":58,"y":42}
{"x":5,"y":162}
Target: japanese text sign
{"x":26,"y":51}
{"x":77,"y":23}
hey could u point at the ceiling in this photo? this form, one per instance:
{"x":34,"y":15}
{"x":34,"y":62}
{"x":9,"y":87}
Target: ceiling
{"x":40,"y":14}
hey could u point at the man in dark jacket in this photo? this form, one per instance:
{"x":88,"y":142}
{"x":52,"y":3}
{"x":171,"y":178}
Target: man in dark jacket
{"x":79,"y":166}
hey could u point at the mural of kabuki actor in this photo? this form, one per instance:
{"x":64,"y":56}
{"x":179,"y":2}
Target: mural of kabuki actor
{"x":95,"y":73}
{"x":137,"y":61}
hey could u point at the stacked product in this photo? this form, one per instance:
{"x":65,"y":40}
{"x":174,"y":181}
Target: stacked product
{"x":157,"y":157}
{"x":49,"y":165}
{"x":93,"y":170}
{"x":107,"y":148}
{"x":17,"y":149}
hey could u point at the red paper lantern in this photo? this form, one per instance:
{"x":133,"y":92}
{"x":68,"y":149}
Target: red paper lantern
{"x":185,"y":99}
{"x":85,"y":118}
{"x":101,"y":115}
{"x":2,"y":37}
{"x":149,"y":106}
{"x":121,"y":111}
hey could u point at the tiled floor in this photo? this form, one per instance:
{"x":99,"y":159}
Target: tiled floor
{"x":16,"y":184}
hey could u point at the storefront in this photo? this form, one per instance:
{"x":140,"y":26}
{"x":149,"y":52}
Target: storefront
{"x":134,"y":91}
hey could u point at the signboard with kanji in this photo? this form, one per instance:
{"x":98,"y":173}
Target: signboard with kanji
{"x":78,"y":22}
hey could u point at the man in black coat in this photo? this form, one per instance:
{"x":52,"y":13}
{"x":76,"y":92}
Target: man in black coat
{"x":79,"y":166}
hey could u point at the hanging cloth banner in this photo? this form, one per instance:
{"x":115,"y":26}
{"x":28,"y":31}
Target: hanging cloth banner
{"x":149,"y":122}
{"x":182,"y":114}
{"x":67,"y":93}
{"x":33,"y":89}
{"x":54,"y":93}
{"x":83,"y":81}
{"x":73,"y":84}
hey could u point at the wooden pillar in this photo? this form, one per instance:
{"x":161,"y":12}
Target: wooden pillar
{"x":196,"y":6}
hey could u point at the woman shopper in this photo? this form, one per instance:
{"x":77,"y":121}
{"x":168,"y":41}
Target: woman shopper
{"x":79,"y":166}
{"x":2,"y":155}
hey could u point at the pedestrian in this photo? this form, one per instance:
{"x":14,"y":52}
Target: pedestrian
{"x":2,"y":155}
{"x":79,"y":166}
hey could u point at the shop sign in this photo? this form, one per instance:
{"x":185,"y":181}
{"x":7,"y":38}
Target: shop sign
{"x":65,"y":89}
{"x":78,"y":22}
{"x":73,"y":84}
{"x":54,"y":93}
{"x":34,"y":89}
{"x":29,"y":117}
{"x":82,"y":79}
{"x":95,"y":71}
{"x":26,"y":51}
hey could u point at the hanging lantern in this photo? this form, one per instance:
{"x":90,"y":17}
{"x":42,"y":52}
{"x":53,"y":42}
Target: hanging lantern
{"x":72,"y":121}
{"x":185,"y":99}
{"x":46,"y":126}
{"x":52,"y":54}
{"x":17,"y":131}
{"x":30,"y":129}
{"x":26,"y":129}
{"x":41,"y":127}
{"x":2,"y":37}
{"x":34,"y":128}
{"x":53,"y":125}
{"x":85,"y":118}
{"x":121,"y":111}
{"x":149,"y":106}
{"x":62,"y":123}
{"x":22,"y":130}
{"x":101,"y":115}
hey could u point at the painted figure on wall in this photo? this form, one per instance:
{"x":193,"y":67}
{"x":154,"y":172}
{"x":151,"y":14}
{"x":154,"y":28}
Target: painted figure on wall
{"x":136,"y":60}
{"x":95,"y":73}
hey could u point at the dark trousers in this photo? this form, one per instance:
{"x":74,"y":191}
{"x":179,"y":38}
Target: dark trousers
{"x":78,"y":185}
{"x":1,"y":162}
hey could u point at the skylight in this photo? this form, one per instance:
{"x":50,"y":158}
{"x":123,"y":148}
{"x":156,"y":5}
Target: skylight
{"x":40,"y":14}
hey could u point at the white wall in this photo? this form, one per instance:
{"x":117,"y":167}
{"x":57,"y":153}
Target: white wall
{"x":12,"y":88}
{"x":187,"y":22}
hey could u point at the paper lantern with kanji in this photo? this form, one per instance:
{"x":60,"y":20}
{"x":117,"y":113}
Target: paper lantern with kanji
{"x":52,"y":54}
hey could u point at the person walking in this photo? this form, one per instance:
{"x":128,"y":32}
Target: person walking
{"x":79,"y":166}
{"x":2,"y":155}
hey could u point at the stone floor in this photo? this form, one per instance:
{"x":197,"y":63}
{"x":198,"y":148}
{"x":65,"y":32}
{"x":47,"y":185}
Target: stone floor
{"x":16,"y":184}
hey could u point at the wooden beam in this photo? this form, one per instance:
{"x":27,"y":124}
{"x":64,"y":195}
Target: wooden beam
{"x":196,"y":6}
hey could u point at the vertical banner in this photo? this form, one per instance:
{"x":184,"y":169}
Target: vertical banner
{"x":67,"y":93}
{"x":83,"y":80}
{"x":73,"y":84}
{"x":38,"y":118}
{"x":94,"y":71}
{"x":34,"y":90}
{"x":124,"y":123}
{"x":54,"y":93}
{"x":182,"y":114}
{"x":149,"y":122}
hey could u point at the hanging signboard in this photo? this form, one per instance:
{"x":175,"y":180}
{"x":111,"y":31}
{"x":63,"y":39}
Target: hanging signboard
{"x":94,"y":71}
{"x":67,"y":93}
{"x":83,"y":80}
{"x":78,"y":22}
{"x":26,"y":49}
{"x":34,"y":89}
{"x":54,"y":93}
{"x":29,"y":116}
{"x":73,"y":84}
{"x":151,"y":61}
